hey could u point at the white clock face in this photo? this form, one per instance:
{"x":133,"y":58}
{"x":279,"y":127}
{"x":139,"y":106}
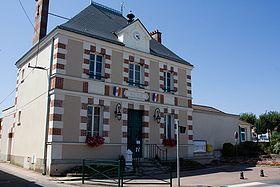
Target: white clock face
{"x":136,"y":35}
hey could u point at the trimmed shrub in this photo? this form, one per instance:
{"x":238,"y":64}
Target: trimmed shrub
{"x":228,"y":150}
{"x":249,"y":149}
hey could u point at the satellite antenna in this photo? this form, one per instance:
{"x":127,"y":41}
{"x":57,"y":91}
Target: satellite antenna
{"x":122,"y":7}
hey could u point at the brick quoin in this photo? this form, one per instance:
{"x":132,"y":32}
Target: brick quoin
{"x":59,"y":55}
{"x":83,"y":132}
{"x":131,"y":58}
{"x":58,"y":66}
{"x":190,"y":137}
{"x":190,"y":103}
{"x":56,"y":103}
{"x":103,"y":51}
{"x":108,"y":57}
{"x":124,"y":134}
{"x":176,"y":101}
{"x":84,"y":119}
{"x":142,"y":61}
{"x":60,"y":45}
{"x":92,"y":49}
{"x":55,"y":131}
{"x":57,"y":82}
{"x":145,"y":135}
{"x":85,"y":87}
{"x":55,"y":117}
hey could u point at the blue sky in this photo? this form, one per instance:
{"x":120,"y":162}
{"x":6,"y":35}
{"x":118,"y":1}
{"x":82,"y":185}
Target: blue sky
{"x":234,"y":45}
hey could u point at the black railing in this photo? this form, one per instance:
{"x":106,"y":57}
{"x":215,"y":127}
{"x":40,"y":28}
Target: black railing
{"x":157,"y":153}
{"x":113,"y":173}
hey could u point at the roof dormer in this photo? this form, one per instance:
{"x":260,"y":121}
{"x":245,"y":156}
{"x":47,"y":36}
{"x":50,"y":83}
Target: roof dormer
{"x":135,"y":36}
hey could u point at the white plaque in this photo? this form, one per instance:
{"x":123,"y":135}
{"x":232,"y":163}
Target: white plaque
{"x":136,"y":95}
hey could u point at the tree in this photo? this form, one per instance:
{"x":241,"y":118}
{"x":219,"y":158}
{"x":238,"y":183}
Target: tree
{"x":269,"y":121}
{"x":249,"y":118}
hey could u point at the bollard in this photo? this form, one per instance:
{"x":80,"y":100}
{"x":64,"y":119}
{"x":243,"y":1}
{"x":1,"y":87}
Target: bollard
{"x":261,"y":173}
{"x":241,"y":175}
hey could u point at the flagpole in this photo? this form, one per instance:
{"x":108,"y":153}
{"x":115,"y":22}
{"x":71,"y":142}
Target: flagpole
{"x":178,"y":159}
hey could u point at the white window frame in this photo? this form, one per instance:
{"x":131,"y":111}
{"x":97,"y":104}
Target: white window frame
{"x":171,"y":89}
{"x":133,"y":81}
{"x":166,"y":134}
{"x":92,"y":132}
{"x":95,"y":66}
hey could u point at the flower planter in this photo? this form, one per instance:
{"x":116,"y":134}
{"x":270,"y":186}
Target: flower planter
{"x":169,"y":142}
{"x":95,"y":141}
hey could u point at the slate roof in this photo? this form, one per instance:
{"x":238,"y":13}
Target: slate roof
{"x":206,"y":108}
{"x":210,"y":109}
{"x":102,"y":23}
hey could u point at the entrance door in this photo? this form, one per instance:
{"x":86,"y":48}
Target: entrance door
{"x":134,"y":132}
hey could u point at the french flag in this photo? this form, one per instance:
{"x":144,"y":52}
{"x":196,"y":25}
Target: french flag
{"x":155,"y":97}
{"x":117,"y":91}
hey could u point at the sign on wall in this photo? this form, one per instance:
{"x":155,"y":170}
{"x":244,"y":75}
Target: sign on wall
{"x":200,"y":146}
{"x":142,"y":96}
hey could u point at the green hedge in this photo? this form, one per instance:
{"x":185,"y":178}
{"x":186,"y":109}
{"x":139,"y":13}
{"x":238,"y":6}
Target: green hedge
{"x":245,"y":149}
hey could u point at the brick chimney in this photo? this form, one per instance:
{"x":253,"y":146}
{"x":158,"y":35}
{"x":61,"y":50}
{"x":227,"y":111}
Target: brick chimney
{"x":41,"y":20}
{"x":156,"y":35}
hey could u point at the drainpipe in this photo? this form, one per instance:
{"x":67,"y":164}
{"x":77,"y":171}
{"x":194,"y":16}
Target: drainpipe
{"x":48,"y":112}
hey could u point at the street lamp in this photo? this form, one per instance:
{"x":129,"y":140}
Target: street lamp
{"x":118,"y":113}
{"x":157,"y":116}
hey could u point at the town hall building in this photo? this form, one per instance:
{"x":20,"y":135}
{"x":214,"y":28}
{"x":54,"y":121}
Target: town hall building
{"x":93,"y":88}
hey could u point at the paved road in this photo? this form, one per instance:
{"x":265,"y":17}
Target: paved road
{"x":12,"y":176}
{"x":8,"y":180}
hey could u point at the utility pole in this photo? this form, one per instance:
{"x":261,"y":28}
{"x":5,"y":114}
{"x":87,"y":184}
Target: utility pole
{"x":178,"y":158}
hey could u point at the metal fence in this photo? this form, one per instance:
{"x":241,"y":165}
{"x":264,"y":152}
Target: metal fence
{"x":116,"y":173}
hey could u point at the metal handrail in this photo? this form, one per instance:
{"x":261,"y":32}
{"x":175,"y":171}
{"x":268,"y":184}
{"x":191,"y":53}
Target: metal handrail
{"x":155,"y":150}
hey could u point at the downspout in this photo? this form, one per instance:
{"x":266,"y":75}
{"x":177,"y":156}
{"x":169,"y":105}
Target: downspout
{"x":48,"y":111}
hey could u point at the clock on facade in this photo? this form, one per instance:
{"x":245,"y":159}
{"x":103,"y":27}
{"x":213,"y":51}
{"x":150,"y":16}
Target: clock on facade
{"x":136,"y":35}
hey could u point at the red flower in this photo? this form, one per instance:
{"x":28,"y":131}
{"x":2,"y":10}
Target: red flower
{"x":95,"y":141}
{"x":169,"y":142}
